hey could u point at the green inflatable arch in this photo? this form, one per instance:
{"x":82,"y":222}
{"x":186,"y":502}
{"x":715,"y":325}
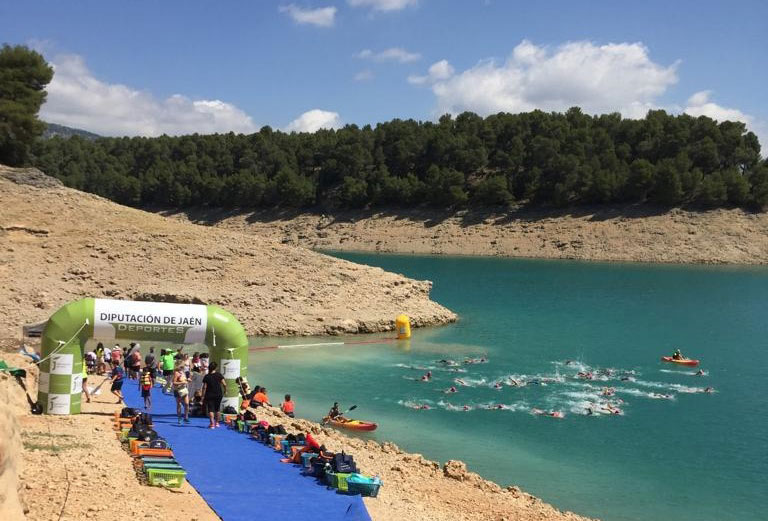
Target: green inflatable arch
{"x":66,"y":332}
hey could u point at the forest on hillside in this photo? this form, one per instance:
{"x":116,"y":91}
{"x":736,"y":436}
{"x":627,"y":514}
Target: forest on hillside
{"x":535,"y":158}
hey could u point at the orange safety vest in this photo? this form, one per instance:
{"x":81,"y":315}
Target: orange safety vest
{"x":288,"y":406}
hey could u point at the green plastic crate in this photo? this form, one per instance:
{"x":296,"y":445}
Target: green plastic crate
{"x":337,"y":480}
{"x":170,"y":478}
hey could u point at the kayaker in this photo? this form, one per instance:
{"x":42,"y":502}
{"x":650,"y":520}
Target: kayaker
{"x":678,"y":355}
{"x":334,"y":412}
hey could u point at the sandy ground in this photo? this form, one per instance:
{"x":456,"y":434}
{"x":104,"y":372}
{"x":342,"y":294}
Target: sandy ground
{"x":58,"y":245}
{"x":604,"y":234}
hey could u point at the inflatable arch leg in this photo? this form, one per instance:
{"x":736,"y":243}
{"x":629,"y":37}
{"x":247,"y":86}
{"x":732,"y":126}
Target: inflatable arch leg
{"x":66,"y":332}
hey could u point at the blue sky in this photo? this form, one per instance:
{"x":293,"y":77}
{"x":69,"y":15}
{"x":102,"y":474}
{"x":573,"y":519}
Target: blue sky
{"x":183,"y":66}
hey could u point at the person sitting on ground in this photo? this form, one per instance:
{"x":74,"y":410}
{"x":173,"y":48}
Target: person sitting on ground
{"x":310,"y":445}
{"x":118,"y":375}
{"x":678,"y":355}
{"x":287,"y":406}
{"x":261,"y":398}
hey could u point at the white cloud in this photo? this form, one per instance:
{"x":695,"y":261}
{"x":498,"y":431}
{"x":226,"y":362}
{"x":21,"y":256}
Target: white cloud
{"x":78,"y":99}
{"x":321,"y":17}
{"x":397,"y":54}
{"x":364,"y":75}
{"x":599,"y":78}
{"x":700,"y":105}
{"x":314,"y":120}
{"x":441,"y":70}
{"x":383,"y":5}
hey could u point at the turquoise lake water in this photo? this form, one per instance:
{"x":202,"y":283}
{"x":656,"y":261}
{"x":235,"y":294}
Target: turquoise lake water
{"x":675,"y":453}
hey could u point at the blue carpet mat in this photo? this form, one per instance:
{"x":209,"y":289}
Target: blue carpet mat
{"x":240,"y":478}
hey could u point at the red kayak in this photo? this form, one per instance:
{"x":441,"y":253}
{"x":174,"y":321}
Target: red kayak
{"x":684,"y":361}
{"x":355,"y":425}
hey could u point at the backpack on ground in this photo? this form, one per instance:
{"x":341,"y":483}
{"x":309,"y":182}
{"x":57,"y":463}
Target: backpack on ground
{"x":344,"y":463}
{"x":147,"y":434}
{"x":158,"y":443}
{"x":128,"y":412}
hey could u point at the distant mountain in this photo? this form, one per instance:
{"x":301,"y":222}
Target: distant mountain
{"x":60,"y":130}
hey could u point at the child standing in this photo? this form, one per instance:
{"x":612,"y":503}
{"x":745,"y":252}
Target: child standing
{"x":146,"y":382}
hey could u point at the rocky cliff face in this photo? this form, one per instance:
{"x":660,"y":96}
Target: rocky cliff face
{"x":58,"y":245}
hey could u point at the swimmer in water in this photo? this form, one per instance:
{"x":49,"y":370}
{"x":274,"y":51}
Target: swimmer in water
{"x":460,"y":381}
{"x":427,"y":377}
{"x":709,"y":389}
{"x":608,"y":391}
{"x":700,"y":372}
{"x":451,"y":389}
{"x":465,"y":408}
{"x":497,"y":385}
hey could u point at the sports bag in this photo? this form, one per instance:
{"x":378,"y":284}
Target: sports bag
{"x":343,"y":463}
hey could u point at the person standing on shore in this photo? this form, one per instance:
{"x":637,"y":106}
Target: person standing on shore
{"x":167,"y":362}
{"x":214,"y":387}
{"x":134,"y":362}
{"x":99,"y":351}
{"x":180,"y":391}
{"x":85,"y":384}
{"x":118,"y":375}
{"x":116,"y":354}
{"x":150,"y":362}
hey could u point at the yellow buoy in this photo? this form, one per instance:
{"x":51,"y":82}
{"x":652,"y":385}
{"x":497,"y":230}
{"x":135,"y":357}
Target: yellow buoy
{"x":403,"y":326}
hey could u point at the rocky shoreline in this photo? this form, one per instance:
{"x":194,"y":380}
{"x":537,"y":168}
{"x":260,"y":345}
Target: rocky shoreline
{"x":627,"y":234}
{"x":414,"y":487}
